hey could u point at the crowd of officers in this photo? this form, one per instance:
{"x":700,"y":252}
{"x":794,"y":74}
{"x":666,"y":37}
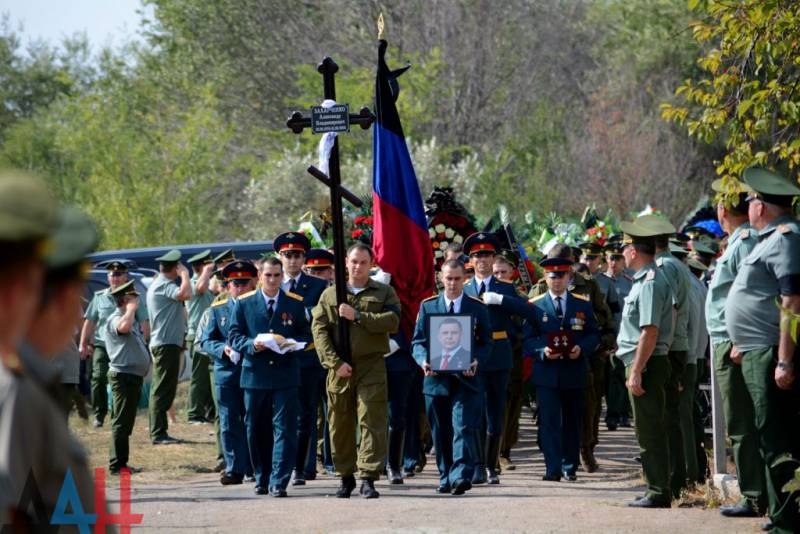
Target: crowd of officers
{"x":268,"y":371}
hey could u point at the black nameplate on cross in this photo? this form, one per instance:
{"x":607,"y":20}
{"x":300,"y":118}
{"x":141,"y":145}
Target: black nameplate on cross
{"x":297,"y":123}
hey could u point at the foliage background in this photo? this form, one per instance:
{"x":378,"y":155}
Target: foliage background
{"x":539,"y":106}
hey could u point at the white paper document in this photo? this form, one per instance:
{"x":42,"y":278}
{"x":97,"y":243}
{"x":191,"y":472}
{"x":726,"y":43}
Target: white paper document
{"x":280,"y":344}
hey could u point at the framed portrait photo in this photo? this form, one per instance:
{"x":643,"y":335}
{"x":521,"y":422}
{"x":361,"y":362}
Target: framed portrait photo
{"x":449,"y":342}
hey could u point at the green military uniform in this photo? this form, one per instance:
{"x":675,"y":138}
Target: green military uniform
{"x":650,"y":304}
{"x":167,"y":331}
{"x":585,"y":285}
{"x":362,"y":398}
{"x":98,"y":311}
{"x":736,"y":402}
{"x":769,"y":272}
{"x":129,"y":361}
{"x":201,"y":402}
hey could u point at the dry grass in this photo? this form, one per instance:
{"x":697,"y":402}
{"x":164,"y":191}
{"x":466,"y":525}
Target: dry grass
{"x":160,"y":463}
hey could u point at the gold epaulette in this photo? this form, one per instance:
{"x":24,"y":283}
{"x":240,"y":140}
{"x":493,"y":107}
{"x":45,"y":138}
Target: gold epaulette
{"x":476,"y":299}
{"x":248,"y":294}
{"x":504,"y":281}
{"x":578,"y":296}
{"x":295,"y":296}
{"x":537,"y":297}
{"x":430,"y":298}
{"x":219,"y":302}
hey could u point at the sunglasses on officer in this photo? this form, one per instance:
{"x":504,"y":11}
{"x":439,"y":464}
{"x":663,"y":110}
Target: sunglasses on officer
{"x":240,"y":282}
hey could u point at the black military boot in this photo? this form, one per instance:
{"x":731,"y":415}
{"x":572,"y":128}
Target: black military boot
{"x":368,"y":490}
{"x":492,"y":453}
{"x":479,"y":475}
{"x":394,"y":460}
{"x":346,"y":487}
{"x":298,"y":477}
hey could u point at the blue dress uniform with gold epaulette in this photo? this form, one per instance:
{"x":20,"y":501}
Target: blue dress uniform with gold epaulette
{"x":230,"y":397}
{"x":453,"y":401}
{"x":494,"y":374}
{"x":560,"y":383}
{"x":270,"y":381}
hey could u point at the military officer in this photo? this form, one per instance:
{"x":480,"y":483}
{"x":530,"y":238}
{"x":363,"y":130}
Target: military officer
{"x":269,"y":378}
{"x":736,"y":402}
{"x":241,"y":279}
{"x":319,"y":263}
{"x":168,"y":327}
{"x":453,"y":399}
{"x":220,"y":261}
{"x":644,"y":339}
{"x":495,"y":372}
{"x":559,"y":371}
{"x":91,"y":343}
{"x":591,"y":256}
{"x":292,"y":248}
{"x":585,"y":285}
{"x":129,"y":361}
{"x":356,"y":383}
{"x":35,"y":444}
{"x":614,"y":278}
{"x":762,"y":312}
{"x":200,"y":408}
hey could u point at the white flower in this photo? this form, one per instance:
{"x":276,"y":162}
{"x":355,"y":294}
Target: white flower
{"x":439,"y":228}
{"x":437,"y":254}
{"x":449,"y":233}
{"x":431,"y":232}
{"x":458,"y":239}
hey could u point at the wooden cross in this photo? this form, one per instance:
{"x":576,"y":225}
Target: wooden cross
{"x":297,"y":122}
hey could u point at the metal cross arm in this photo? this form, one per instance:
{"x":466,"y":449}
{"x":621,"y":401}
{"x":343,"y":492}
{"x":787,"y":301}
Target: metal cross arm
{"x":346,"y":193}
{"x":297,"y":122}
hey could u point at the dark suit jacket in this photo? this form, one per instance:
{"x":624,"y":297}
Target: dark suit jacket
{"x":213,"y":339}
{"x":481,"y":342}
{"x":310,"y":288}
{"x":459,"y":360}
{"x":500,"y":317}
{"x":267,"y":369}
{"x":579,"y":320}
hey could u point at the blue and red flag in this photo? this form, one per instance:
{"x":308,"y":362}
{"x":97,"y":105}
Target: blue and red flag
{"x":400,"y":231}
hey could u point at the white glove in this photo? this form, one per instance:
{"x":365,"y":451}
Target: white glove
{"x":235,"y":357}
{"x":393,"y":347}
{"x":491,"y":298}
{"x":382,"y":276}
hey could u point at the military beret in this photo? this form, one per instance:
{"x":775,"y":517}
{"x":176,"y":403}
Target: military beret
{"x":127,"y":288}
{"x":225,"y":255}
{"x":204,"y":257}
{"x":239,"y":269}
{"x":75,"y":236}
{"x":291,"y":241}
{"x":319,"y":258}
{"x":552,"y":266}
{"x":481,"y":242}
{"x":771,"y":187}
{"x":28,"y":212}
{"x":172,"y":256}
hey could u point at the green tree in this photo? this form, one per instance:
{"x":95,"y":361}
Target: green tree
{"x":747,"y":98}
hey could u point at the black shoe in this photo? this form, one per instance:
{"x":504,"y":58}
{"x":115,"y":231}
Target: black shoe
{"x":261,"y":490}
{"x":275,"y":491}
{"x":368,"y":490}
{"x":462,"y":485}
{"x":647,"y":502}
{"x":769,"y":525}
{"x":479,"y":477}
{"x":625,"y":423}
{"x":552,"y":478}
{"x":611,"y":427}
{"x":166,"y":440}
{"x":493,"y":478}
{"x":132,"y":470}
{"x":298,"y":479}
{"x":570,"y":477}
{"x":230,"y":479}
{"x":743,"y":509}
{"x":409,"y":473}
{"x":346,"y":487}
{"x":220,"y":467}
{"x":443,"y":488}
{"x":310,"y":476}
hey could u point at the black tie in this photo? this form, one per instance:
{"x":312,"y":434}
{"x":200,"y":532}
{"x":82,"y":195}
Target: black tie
{"x":559,"y":310}
{"x":292,"y":285}
{"x":483,"y":288}
{"x":270,"y":309}
{"x":452,"y":309}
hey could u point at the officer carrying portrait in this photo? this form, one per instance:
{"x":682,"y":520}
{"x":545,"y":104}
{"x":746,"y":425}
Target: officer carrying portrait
{"x":449,"y":349}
